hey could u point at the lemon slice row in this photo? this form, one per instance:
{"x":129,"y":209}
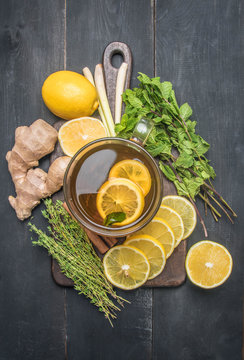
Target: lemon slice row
{"x":129,"y":266}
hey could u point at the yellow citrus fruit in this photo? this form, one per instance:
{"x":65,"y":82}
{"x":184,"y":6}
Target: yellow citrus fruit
{"x":69,"y":95}
{"x":208,"y":264}
{"x":162,"y":232}
{"x":153,"y":250}
{"x":120,"y":195}
{"x":126,"y":267}
{"x":135,"y":171}
{"x":185,"y":209}
{"x":174,"y":220}
{"x":74,"y":134}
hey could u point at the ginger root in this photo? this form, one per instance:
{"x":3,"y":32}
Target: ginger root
{"x":32,"y":185}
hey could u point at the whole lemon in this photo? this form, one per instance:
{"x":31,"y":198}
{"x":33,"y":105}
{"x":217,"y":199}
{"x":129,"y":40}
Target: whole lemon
{"x":69,"y":95}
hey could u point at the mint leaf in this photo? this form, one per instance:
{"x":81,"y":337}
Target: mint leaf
{"x":166,"y":119}
{"x":193,"y":185}
{"x":185,"y":111}
{"x":143,"y":78}
{"x":181,"y":188}
{"x":201,"y":145}
{"x":159,"y":148}
{"x":184,"y":160}
{"x":114,"y":218}
{"x":166,"y":88}
{"x":134,"y":101}
{"x":174,"y":101}
{"x":167,"y":171}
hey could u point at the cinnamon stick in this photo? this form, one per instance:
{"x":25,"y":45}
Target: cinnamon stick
{"x":111,"y":241}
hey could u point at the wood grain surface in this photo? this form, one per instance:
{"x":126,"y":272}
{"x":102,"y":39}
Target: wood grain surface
{"x":198,"y":45}
{"x":31,"y":310}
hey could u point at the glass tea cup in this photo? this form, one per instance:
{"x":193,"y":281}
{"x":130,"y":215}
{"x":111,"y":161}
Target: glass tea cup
{"x":88,"y":171}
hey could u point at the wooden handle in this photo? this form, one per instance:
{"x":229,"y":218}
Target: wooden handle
{"x":110,"y":72}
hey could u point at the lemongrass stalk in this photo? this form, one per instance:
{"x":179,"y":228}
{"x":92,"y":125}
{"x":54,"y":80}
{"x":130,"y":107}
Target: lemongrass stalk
{"x":87,"y":73}
{"x":101,"y":90}
{"x":120,"y":84}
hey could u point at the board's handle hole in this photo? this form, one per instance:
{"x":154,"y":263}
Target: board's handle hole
{"x":117,"y":59}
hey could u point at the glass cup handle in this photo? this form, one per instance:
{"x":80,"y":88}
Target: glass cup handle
{"x":142,"y":131}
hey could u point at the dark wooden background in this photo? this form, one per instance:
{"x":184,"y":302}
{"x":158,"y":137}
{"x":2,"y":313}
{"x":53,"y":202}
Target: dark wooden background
{"x":198,"y":46}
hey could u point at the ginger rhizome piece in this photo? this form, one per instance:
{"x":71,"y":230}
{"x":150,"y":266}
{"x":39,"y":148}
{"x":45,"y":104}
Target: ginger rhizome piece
{"x":31,"y":185}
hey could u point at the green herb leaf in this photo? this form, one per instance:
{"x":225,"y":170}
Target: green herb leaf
{"x":166,"y":88}
{"x":181,"y":188}
{"x":185,"y":111}
{"x":167,"y":171}
{"x":201,"y":145}
{"x":193,"y":185}
{"x":174,"y":101}
{"x":114,"y":218}
{"x":184,"y":160}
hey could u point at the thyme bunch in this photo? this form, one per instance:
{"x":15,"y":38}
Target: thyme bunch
{"x":69,"y":245}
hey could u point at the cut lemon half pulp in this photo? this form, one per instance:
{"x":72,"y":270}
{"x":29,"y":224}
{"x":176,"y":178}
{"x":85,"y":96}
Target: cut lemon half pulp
{"x":135,"y":171}
{"x":74,"y":134}
{"x":162,"y":232}
{"x":185,"y":209}
{"x":120,"y":195}
{"x":208,"y":264}
{"x":126,"y":267}
{"x":153,"y":250}
{"x":174,"y":220}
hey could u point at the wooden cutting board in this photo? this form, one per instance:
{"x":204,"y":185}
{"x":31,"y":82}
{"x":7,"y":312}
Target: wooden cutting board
{"x":174,"y":273}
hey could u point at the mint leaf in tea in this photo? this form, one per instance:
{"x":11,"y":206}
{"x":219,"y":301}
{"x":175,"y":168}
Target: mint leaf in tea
{"x":115,"y":217}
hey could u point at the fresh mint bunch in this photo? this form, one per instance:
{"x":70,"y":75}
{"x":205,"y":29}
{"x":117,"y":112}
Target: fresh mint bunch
{"x":173,"y":141}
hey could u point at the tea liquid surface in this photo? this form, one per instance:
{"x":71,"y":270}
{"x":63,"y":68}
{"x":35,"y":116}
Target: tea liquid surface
{"x":92,"y":171}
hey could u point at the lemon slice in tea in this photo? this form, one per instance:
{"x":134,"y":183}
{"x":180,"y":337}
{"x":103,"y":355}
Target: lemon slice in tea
{"x":133,"y":170}
{"x":120,"y":195}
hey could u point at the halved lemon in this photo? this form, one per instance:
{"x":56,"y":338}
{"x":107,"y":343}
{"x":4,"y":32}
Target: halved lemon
{"x":208,"y":264}
{"x":185,"y":209}
{"x":74,"y":134}
{"x":162,"y":232}
{"x":126,"y":267}
{"x":153,"y":250}
{"x":120,"y":195}
{"x":135,"y":171}
{"x":174,"y":220}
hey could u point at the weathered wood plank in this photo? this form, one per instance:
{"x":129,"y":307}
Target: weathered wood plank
{"x":200,"y":50}
{"x":90,"y":28}
{"x":32,"y":306}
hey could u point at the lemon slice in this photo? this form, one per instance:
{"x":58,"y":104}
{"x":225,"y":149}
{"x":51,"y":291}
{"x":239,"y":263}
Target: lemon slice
{"x":74,"y":134}
{"x":185,"y":209}
{"x":174,"y":220}
{"x":135,"y":171}
{"x":126,"y":267}
{"x":153,"y":250}
{"x":208,"y":264}
{"x":162,"y":232}
{"x":120,"y":195}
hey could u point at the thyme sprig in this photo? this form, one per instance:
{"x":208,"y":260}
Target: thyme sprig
{"x":69,"y":245}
